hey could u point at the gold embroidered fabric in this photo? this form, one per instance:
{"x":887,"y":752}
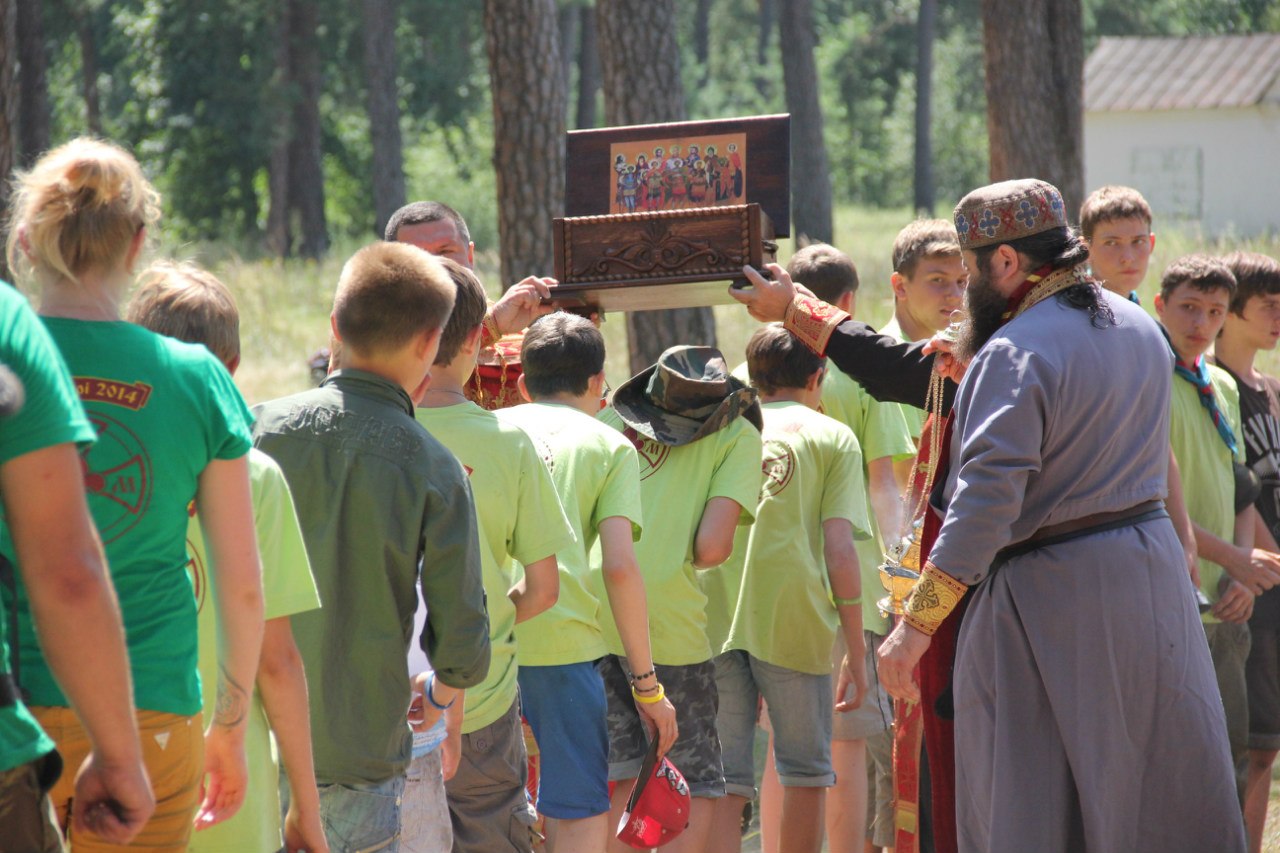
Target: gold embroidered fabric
{"x":935,"y":595}
{"x":813,"y":321}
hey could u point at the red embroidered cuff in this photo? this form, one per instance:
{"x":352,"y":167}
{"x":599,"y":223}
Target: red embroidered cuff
{"x":489,"y":334}
{"x":812,"y":321}
{"x":932,"y":599}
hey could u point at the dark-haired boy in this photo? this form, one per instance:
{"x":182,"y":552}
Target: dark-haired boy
{"x":597,"y":475}
{"x":1115,"y":222}
{"x":375,"y":494}
{"x":520,"y":519}
{"x":861,"y":738}
{"x":1204,"y":432}
{"x":1253,"y":326}
{"x":696,"y":429}
{"x":792,"y":584}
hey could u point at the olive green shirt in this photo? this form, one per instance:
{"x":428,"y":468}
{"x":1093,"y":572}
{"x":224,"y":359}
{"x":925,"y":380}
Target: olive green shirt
{"x":381,"y":504}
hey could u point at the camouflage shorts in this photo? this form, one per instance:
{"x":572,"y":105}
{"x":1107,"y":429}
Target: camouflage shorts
{"x":692,"y":690}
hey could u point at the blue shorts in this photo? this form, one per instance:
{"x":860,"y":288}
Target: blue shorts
{"x":566,"y":707}
{"x":800,"y":709}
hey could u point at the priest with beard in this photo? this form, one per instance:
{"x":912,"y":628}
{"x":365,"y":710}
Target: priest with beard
{"x":1086,"y":712}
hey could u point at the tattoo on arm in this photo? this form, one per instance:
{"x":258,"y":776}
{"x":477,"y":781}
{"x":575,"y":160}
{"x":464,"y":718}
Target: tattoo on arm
{"x":232,"y":702}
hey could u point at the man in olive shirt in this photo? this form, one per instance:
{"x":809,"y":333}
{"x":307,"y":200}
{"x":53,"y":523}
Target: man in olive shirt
{"x":381,"y":503}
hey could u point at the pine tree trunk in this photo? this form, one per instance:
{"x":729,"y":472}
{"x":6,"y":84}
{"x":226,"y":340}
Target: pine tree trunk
{"x":8,"y":108}
{"x":529,"y":106}
{"x":279,"y":230}
{"x":89,"y":70}
{"x":702,"y":37}
{"x":33,"y":83}
{"x":768,"y":15}
{"x":383,"y":105}
{"x":926,"y":24}
{"x":306,"y":164}
{"x":1034,"y":58}
{"x":811,"y":183}
{"x":641,"y":73}
{"x":588,"y":69}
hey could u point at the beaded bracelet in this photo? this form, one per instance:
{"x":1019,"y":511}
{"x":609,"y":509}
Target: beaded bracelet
{"x":643,"y":675}
{"x":649,"y":700}
{"x":431,"y":682}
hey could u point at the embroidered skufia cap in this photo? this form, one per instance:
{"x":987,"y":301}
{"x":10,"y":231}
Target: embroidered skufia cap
{"x":1007,"y":211}
{"x":687,"y":395}
{"x":658,"y":808}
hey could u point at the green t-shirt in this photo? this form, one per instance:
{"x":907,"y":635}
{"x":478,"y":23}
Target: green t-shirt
{"x":287,"y":588}
{"x":597,"y":475}
{"x":772,"y":598}
{"x":914,"y":416}
{"x":519,"y":517}
{"x":51,"y":415}
{"x":882,"y":431}
{"x":163,"y":410}
{"x":675,"y":485}
{"x":1204,"y":463}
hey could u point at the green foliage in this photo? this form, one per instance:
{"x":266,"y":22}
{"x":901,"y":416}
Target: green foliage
{"x":190,"y":86}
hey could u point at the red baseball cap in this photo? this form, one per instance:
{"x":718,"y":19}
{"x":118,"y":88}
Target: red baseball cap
{"x":658,"y":808}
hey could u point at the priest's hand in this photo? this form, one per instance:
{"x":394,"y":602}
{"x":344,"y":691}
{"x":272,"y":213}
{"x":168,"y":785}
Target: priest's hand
{"x":898,"y":656}
{"x":522,"y":304}
{"x":768,"y":298}
{"x":945,"y":361}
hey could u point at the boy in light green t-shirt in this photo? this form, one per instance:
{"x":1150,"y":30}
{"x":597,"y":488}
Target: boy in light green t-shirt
{"x":185,"y":302}
{"x":520,"y":518}
{"x":696,"y":429}
{"x":861,"y":740}
{"x":792,"y":584}
{"x":597,"y":475}
{"x":1204,"y":432}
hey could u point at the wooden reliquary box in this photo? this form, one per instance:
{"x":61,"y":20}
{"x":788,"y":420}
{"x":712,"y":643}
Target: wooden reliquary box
{"x":665,"y":216}
{"x":660,"y":259}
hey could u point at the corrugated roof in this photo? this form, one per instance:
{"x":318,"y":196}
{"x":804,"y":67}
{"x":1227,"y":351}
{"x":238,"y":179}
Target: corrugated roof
{"x":1199,"y":72}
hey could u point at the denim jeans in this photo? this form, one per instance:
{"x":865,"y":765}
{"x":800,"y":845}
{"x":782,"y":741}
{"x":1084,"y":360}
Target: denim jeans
{"x":358,"y":818}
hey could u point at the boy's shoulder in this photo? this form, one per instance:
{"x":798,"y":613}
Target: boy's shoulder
{"x":569,"y":426}
{"x":801,"y":425}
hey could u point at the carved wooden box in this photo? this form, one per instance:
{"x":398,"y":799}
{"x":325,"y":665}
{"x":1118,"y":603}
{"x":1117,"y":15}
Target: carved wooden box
{"x":665,"y":216}
{"x":663,"y":259}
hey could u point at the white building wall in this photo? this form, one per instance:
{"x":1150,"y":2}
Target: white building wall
{"x":1218,"y":168}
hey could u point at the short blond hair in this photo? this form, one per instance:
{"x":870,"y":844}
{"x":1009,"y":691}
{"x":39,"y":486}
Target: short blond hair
{"x":78,"y":209}
{"x":184,"y":301}
{"x":924,"y":238}
{"x":1109,"y":203}
{"x":388,"y":294}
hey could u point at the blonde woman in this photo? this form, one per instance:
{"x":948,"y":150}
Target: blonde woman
{"x":171,"y":427}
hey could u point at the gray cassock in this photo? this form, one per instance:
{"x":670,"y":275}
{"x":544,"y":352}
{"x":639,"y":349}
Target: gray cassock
{"x":1087,"y":717}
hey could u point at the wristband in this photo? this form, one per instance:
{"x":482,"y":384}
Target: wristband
{"x":846,"y":602}
{"x":431,"y":682}
{"x":490,"y":335}
{"x":812,"y":321}
{"x":650,"y":700}
{"x":932,"y":599}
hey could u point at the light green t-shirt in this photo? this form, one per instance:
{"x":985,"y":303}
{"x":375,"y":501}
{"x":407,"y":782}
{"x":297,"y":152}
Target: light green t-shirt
{"x":913,"y":416}
{"x":163,"y":410}
{"x":597,"y":475}
{"x":882,"y":431}
{"x":773,"y":598}
{"x":287,"y":588}
{"x":675,"y":485}
{"x":1204,"y":463}
{"x":50,"y":415}
{"x":519,"y":517}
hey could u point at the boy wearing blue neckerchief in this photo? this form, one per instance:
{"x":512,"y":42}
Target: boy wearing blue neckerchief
{"x":1195,"y":295}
